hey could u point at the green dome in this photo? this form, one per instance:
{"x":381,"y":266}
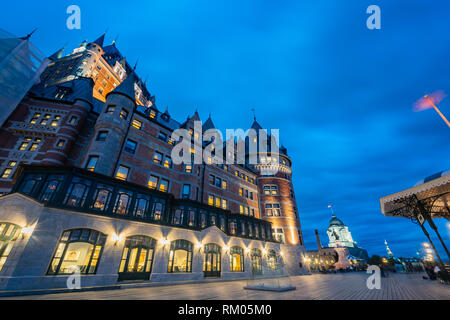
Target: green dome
{"x":335,"y":221}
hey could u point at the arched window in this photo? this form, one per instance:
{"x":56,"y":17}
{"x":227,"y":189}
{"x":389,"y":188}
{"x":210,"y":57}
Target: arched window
{"x":141,"y":206}
{"x":272,"y":261}
{"x":122,"y":202}
{"x":213,"y":260}
{"x":180,"y":256}
{"x":256,"y":261}
{"x":102,"y":195}
{"x":236,"y":259}
{"x":8,"y":235}
{"x":137,"y":258}
{"x":78,"y":249}
{"x":50,"y":187}
{"x":77,"y":192}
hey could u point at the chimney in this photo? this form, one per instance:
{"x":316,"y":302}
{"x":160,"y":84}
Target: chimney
{"x":318,"y":240}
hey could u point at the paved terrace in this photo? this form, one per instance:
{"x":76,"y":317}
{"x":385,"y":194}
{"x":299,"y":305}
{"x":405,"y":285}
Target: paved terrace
{"x":347,"y":286}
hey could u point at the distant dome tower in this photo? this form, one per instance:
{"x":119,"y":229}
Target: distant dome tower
{"x":339,"y":235}
{"x":277,"y":199}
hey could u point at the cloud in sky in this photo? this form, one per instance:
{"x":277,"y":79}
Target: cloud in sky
{"x":341,"y":95}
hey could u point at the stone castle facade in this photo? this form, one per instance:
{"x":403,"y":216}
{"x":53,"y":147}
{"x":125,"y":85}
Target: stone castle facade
{"x":89,"y":184}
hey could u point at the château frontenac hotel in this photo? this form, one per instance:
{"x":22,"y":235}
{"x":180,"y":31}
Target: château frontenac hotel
{"x":89,"y":185}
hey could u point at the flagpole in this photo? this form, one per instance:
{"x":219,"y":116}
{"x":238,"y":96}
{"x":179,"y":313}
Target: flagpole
{"x":437,"y":110}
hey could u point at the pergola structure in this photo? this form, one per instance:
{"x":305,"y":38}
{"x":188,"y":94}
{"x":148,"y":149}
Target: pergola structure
{"x":427,"y":200}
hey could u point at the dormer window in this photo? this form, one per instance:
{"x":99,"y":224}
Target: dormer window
{"x":165,"y":116}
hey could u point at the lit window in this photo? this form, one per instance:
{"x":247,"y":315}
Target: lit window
{"x":78,"y":250}
{"x":218,"y":202}
{"x":8,"y":235}
{"x":34,"y":146}
{"x":224,"y":204}
{"x":241,"y":192}
{"x":122,"y":173}
{"x":137,"y":124}
{"x":157,"y":158}
{"x":236,"y":259}
{"x":210,"y":200}
{"x":153,"y":182}
{"x":23,"y":146}
{"x":164,"y":185}
{"x":188,"y":168}
{"x":61,"y":143}
{"x":167,"y":162}
{"x":12,"y":163}
{"x":124,"y":114}
{"x":73,"y":120}
{"x":92,"y":163}
{"x":152,"y":114}
{"x":191,"y":131}
{"x":171,"y":142}
{"x":224,"y":184}
{"x":180,"y":256}
{"x":54,"y":123}
{"x":241,"y":209}
{"x":6,"y":173}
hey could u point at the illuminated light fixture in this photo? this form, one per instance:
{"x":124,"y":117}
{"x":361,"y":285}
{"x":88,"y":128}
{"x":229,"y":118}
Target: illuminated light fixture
{"x":199,"y":245}
{"x":264,"y":251}
{"x":247,"y":250}
{"x":116,"y":238}
{"x":27,"y":231}
{"x":226,"y":247}
{"x":164,"y":242}
{"x":281,"y":253}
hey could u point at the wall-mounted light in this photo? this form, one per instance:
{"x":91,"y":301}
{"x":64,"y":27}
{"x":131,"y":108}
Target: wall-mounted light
{"x":264,"y":251}
{"x":164,"y":242}
{"x":247,"y":250}
{"x":116,"y":238}
{"x":199,"y":245}
{"x":27,"y":231}
{"x":226,"y":248}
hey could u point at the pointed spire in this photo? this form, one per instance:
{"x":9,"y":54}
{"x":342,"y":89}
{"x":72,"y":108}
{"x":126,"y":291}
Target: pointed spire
{"x":57,"y":55}
{"x":126,"y":88}
{"x":100,"y":40}
{"x":135,"y":66}
{"x":208,"y":124}
{"x":28,"y":36}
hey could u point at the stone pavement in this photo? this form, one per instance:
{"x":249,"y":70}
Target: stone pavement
{"x":345,"y":286}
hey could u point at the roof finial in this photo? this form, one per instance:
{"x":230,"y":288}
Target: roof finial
{"x":135,"y":66}
{"x":29,"y":35}
{"x":254,"y":113}
{"x":115,"y":40}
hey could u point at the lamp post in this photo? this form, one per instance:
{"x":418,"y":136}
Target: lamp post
{"x":427,"y":97}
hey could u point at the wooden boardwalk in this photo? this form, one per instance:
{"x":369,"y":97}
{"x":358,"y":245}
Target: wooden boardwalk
{"x":347,"y":286}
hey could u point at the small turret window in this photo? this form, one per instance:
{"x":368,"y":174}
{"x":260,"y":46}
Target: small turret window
{"x":124,"y":114}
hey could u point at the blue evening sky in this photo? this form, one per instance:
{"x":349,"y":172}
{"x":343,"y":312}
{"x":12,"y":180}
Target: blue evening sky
{"x":341,"y":94}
